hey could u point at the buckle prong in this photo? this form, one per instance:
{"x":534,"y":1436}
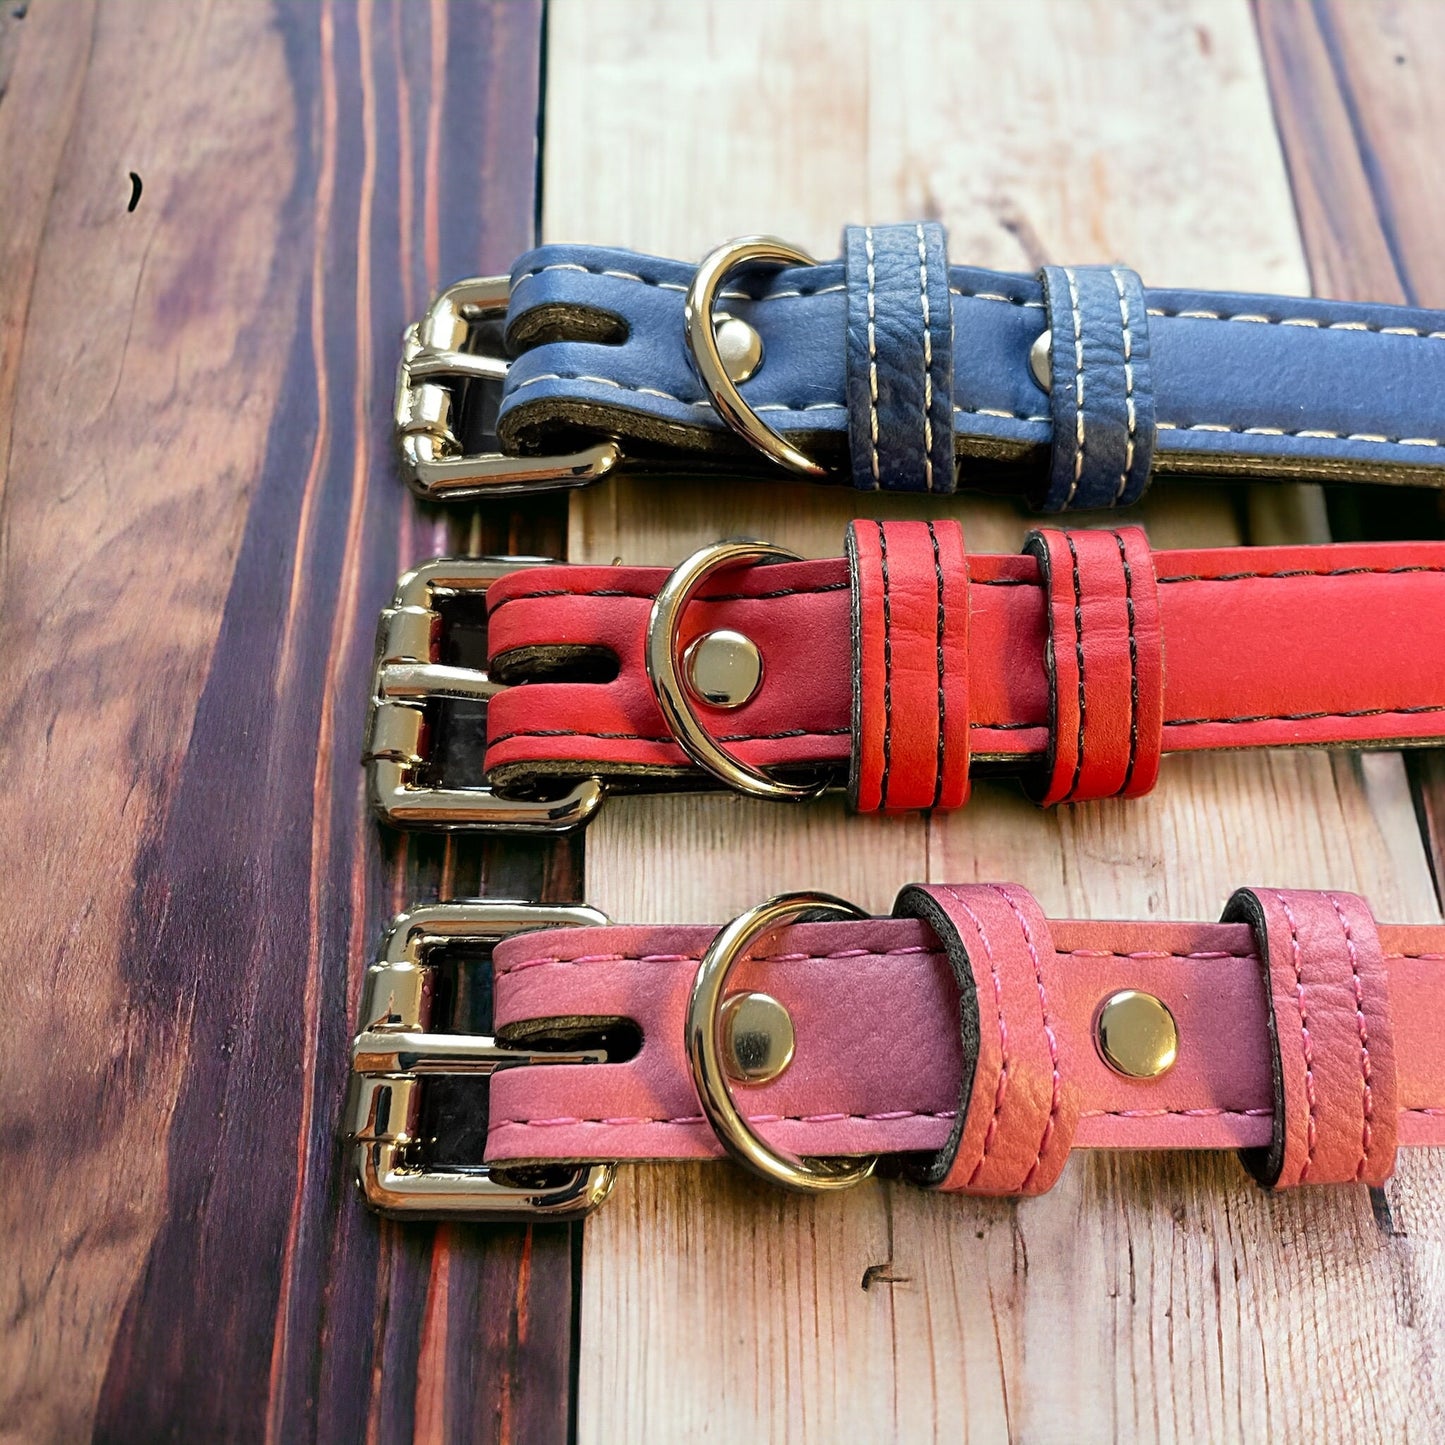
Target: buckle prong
{"x":437,"y":362}
{"x":396,"y":1049}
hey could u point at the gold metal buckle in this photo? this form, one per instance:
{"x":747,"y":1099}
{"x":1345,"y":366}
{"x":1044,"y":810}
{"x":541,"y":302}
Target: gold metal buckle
{"x":439,"y":359}
{"x":408,"y":673}
{"x":396,"y":1050}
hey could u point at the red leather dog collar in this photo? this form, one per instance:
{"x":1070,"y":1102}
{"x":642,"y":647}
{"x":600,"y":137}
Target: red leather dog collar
{"x":965,"y":1031}
{"x":910,"y":663}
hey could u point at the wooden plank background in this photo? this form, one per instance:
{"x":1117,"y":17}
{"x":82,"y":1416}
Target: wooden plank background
{"x":200,"y":517}
{"x":1160,"y":1297}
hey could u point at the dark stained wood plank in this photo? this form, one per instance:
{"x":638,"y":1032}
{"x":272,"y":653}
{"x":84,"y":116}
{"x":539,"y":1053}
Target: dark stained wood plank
{"x":201,"y":517}
{"x":1361,"y":112}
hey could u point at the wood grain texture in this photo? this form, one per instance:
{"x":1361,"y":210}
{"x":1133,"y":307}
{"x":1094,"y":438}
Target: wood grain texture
{"x":1150,"y":1297}
{"x":201,"y":517}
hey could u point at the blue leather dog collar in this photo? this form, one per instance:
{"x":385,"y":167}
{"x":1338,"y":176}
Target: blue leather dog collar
{"x":904,"y":373}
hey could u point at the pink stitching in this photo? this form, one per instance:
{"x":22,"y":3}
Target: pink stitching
{"x":886,"y":1118}
{"x":1176,"y":1113}
{"x":591,"y":958}
{"x":864,"y":953}
{"x":1304,"y":1023}
{"x":1002,"y":1087}
{"x":1048,"y":1031}
{"x":1364,"y":1036}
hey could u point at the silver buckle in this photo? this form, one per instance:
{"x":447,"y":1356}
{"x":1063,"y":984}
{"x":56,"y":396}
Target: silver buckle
{"x":408,"y":673}
{"x":396,"y":1050}
{"x":438,"y":360}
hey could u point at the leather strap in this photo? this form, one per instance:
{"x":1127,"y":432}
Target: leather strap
{"x":968,"y":1005}
{"x":1250,"y":647}
{"x":1240,"y":385}
{"x":900,"y":358}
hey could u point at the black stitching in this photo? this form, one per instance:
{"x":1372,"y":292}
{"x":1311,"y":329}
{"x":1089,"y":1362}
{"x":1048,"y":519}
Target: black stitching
{"x":1079,"y":654}
{"x":1133,"y":667}
{"x":887,"y":668}
{"x":501,"y":602}
{"x":640,"y":738}
{"x":1189,"y":722}
{"x":1301,"y":572}
{"x":942,"y":701}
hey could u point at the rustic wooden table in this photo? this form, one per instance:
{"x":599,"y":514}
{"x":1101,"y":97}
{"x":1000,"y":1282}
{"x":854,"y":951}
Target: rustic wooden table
{"x":201,"y":517}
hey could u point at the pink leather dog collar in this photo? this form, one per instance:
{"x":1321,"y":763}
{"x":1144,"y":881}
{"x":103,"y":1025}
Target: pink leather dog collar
{"x":910,"y":664}
{"x":963,"y":1031}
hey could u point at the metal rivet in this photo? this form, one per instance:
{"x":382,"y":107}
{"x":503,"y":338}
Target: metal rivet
{"x":740,"y":347}
{"x":757,"y":1037}
{"x":1041,"y":360}
{"x":1136,"y":1034}
{"x":723,"y":669}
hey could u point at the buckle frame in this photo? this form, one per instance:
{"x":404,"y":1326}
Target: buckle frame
{"x":408,"y":672}
{"x":438,"y":360}
{"x":396,"y":1049}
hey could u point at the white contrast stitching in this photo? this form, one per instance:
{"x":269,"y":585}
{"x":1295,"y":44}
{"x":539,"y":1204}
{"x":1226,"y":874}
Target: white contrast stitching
{"x":1313,"y":321}
{"x":1313,"y":433}
{"x":927,"y":364}
{"x":1078,"y":387}
{"x":1128,"y":385}
{"x":872,"y":356}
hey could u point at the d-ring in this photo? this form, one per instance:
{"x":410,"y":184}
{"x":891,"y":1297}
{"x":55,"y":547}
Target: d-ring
{"x":705,"y":1059}
{"x":697,"y":308}
{"x":663,"y":670}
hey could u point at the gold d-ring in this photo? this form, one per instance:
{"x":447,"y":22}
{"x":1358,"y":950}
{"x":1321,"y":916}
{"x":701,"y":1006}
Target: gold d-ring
{"x":697,"y":308}
{"x":664,"y":670}
{"x":705,"y":1058}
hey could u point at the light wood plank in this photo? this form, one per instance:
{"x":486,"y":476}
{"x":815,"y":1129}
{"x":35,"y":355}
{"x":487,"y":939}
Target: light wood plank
{"x":1161,"y":1297}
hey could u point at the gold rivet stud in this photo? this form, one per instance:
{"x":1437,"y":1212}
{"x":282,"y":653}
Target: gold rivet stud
{"x":1041,"y":361}
{"x":740,"y":347}
{"x":757,"y":1037}
{"x":723,"y":668}
{"x":1136,"y":1034}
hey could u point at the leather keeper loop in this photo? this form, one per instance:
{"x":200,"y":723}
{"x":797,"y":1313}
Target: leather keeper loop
{"x":1101,"y":392}
{"x":899,"y":358}
{"x":1332,"y":1046}
{"x":1017,"y":1109}
{"x":1105,"y":663}
{"x":910,"y":666}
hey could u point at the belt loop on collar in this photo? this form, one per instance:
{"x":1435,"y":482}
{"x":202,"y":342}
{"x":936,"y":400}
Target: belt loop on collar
{"x":899,"y":358}
{"x":1018,"y":1106}
{"x":1105,"y":663}
{"x":1330,"y":1036}
{"x":910,"y":666}
{"x":1100,"y":388}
